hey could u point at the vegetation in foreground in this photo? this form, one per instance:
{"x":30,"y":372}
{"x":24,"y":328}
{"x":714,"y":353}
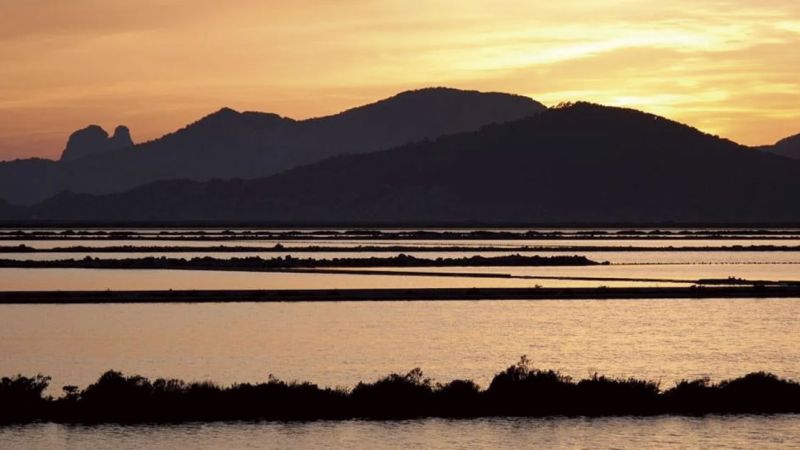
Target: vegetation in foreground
{"x":517,"y":391}
{"x":288,"y":262}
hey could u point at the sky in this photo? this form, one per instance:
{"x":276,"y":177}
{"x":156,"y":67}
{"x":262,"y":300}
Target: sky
{"x":728,"y":67}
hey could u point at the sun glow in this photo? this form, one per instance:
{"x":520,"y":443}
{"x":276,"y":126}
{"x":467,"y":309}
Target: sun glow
{"x":725,"y":66}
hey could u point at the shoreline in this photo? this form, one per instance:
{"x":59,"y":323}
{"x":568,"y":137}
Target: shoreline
{"x":392,"y":249}
{"x":518,"y":391}
{"x":257,"y":263}
{"x":398,"y":294}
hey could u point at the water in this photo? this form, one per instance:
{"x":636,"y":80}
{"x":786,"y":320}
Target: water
{"x":739,"y":432}
{"x":117,"y":279}
{"x":614,"y":257}
{"x":345,"y":242}
{"x":120,"y":280}
{"x":688,"y":272}
{"x":341,"y":343}
{"x":638,"y":264}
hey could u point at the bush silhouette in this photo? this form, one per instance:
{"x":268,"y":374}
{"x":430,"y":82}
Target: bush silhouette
{"x":518,"y":390}
{"x":396,"y":396}
{"x":21,"y":398}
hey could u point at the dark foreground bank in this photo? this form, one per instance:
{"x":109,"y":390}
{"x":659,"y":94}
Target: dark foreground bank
{"x":256,"y":263}
{"x":400,"y":294}
{"x":516,"y":391}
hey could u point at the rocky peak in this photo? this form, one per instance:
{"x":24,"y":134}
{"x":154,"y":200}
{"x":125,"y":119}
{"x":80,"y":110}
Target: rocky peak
{"x":94,"y":139}
{"x":121,"y":138}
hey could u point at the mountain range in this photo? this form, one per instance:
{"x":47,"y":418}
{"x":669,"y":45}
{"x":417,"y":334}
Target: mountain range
{"x":229,"y":144}
{"x":789,"y":147}
{"x":514,"y":162}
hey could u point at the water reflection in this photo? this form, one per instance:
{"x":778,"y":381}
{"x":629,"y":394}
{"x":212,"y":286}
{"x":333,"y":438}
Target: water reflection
{"x":744,"y":432}
{"x":339,"y":344}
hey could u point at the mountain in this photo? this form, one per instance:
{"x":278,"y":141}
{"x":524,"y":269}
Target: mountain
{"x":789,"y":147}
{"x":26,"y":181}
{"x":231,"y":144}
{"x":7,"y":210}
{"x":93,"y":140}
{"x":581,"y":163}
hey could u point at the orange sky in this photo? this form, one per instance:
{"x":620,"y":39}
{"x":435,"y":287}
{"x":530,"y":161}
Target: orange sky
{"x":729,"y":67}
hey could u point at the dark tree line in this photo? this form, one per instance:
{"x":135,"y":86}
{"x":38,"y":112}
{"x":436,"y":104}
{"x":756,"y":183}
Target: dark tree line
{"x":517,"y":391}
{"x":289,"y":262}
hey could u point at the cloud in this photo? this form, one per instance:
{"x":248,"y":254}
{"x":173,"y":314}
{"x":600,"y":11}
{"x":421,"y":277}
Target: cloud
{"x":726,"y":66}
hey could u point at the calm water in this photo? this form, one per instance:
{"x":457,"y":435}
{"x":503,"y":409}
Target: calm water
{"x":742,"y":432}
{"x":626,"y":257}
{"x":268,"y":243}
{"x":339,"y":344}
{"x":116,"y":279}
{"x":689,"y":266}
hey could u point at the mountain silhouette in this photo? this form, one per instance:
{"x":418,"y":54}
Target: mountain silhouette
{"x":229,"y":144}
{"x":581,"y":163}
{"x":28,"y":180}
{"x":789,"y":147}
{"x":93,"y":140}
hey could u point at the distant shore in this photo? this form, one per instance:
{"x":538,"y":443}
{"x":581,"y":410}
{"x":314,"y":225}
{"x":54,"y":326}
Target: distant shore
{"x":367,"y":234}
{"x":390,"y":249}
{"x":46,"y":224}
{"x":403,"y":294}
{"x":258,"y":264}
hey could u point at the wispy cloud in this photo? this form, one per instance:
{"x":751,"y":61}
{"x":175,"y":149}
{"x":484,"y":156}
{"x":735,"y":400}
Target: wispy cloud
{"x":726,"y":66}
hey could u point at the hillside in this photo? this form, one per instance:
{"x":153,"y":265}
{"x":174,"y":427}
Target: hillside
{"x":229,"y":144}
{"x":581,"y":163}
{"x":789,"y":147}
